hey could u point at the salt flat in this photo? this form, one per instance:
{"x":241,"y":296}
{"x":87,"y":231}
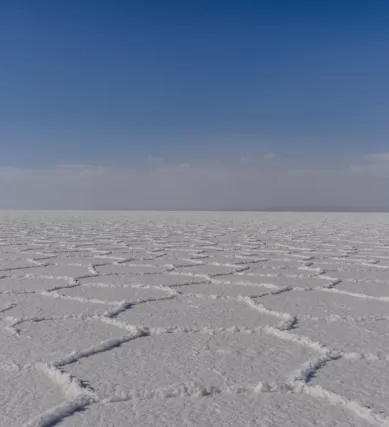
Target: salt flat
{"x":194,"y":319}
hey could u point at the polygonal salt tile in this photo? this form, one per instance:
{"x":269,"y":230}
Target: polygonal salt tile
{"x":359,"y":274}
{"x":55,"y":271}
{"x":283,"y":262}
{"x":225,"y":361}
{"x":324,"y":304}
{"x":360,"y":335}
{"x":157,"y":279}
{"x":80,"y":260}
{"x":109,"y":293}
{"x":35,"y":305}
{"x":26,"y":257}
{"x":50,"y":340}
{"x":131,"y":269}
{"x":365,"y":382}
{"x":205,"y":269}
{"x":25,"y":394}
{"x":262,"y":269}
{"x":276,"y":280}
{"x":375,"y":289}
{"x":196,"y":313}
{"x":29,"y":284}
{"x":265,"y":410}
{"x":163,"y":262}
{"x":14,"y":266}
{"x":223,"y":289}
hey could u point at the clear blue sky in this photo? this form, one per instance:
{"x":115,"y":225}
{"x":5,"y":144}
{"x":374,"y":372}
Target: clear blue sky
{"x":112,"y":82}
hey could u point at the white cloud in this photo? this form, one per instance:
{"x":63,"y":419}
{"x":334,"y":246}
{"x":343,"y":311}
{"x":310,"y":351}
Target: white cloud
{"x":260,"y":185}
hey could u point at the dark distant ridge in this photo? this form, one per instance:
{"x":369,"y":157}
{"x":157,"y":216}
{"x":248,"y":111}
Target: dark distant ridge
{"x":295,"y":209}
{"x":328,"y":209}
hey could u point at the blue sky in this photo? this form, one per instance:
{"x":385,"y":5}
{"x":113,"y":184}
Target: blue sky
{"x":126,"y":84}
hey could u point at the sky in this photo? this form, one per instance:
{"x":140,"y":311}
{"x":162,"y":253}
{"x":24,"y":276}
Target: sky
{"x":194,"y":104}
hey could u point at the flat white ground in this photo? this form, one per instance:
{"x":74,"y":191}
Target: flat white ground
{"x":194,"y":319}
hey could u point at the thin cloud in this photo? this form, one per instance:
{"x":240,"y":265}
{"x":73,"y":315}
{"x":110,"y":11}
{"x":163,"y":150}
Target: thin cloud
{"x":269,"y":156}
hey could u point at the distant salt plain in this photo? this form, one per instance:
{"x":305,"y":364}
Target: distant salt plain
{"x":194,"y":319}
